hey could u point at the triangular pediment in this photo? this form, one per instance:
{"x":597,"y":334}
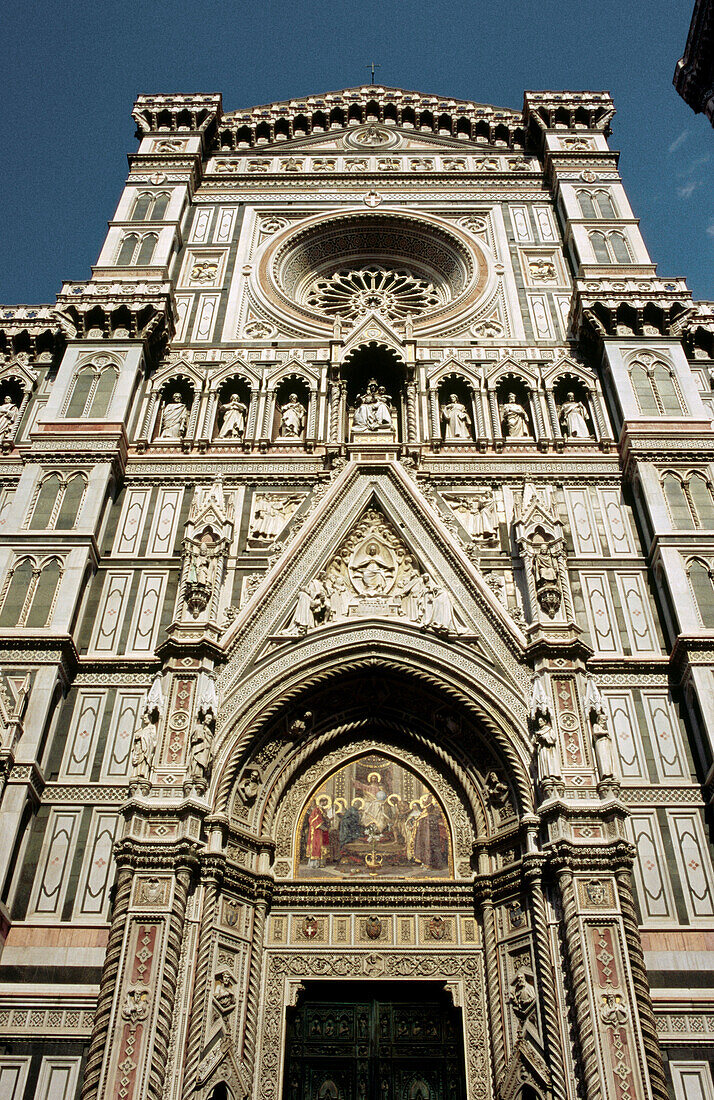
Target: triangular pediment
{"x":379,"y":503}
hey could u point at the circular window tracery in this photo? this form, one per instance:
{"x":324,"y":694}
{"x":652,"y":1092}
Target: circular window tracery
{"x":346,"y":265}
{"x":351,"y":293}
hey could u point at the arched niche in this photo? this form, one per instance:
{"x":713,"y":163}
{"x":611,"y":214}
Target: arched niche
{"x":374,"y":377}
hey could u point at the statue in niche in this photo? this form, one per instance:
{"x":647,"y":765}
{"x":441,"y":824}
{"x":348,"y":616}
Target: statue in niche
{"x":174,"y":418}
{"x":145,"y":739}
{"x":514,"y":419}
{"x":235,"y":413}
{"x":602,"y":741}
{"x":9,"y":413}
{"x":201,"y":745}
{"x":573,"y":418}
{"x":456,"y":420}
{"x":223,"y":994}
{"x":497,"y":790}
{"x":373,"y":410}
{"x":292,"y":418}
{"x":522,"y":996}
{"x":249,"y":786}
{"x":143,"y":748}
{"x":199,"y":578}
{"x":546,"y":577}
{"x":312,"y":605}
{"x":548,"y":755}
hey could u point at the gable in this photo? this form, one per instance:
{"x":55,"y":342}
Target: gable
{"x":378,"y":501}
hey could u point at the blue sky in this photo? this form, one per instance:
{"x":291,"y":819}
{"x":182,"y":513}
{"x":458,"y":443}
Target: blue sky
{"x":71,"y":73}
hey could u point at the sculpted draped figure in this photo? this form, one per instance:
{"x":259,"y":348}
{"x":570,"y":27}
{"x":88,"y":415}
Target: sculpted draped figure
{"x":456,"y":420}
{"x":292,"y":418}
{"x":573,"y":418}
{"x":234,"y":417}
{"x":373,"y":409}
{"x":174,"y":418}
{"x":514,"y":419}
{"x":9,"y":413}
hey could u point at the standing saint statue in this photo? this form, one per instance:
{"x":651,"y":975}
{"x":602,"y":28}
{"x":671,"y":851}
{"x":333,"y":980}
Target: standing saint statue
{"x":546,"y":745}
{"x":514,"y":419}
{"x":200,"y":750}
{"x":456,"y":420}
{"x":143,"y":748}
{"x":573,"y":418}
{"x":234,"y":417}
{"x":9,"y":413}
{"x":292,"y":418}
{"x":174,"y":418}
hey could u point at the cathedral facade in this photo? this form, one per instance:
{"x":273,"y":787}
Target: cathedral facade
{"x":357,"y":622}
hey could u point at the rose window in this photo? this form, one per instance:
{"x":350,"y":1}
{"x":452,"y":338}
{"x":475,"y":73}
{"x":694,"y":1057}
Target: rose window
{"x":352,"y":292}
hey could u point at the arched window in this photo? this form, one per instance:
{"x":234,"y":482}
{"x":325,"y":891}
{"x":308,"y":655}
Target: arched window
{"x":690,"y":500}
{"x":80,"y":393}
{"x":665,"y":390}
{"x":127,"y":250}
{"x":46,"y":502}
{"x":655,"y":390}
{"x":587,"y":206}
{"x":136,"y":251}
{"x":604,"y":205}
{"x":679,"y":510}
{"x":146,"y":249}
{"x":71,"y":502}
{"x":610,"y":248}
{"x":599,"y":243}
{"x":92,"y":391}
{"x":620,"y":251}
{"x":42,"y":599}
{"x":700,"y":493}
{"x":102,"y":393}
{"x":16,"y":594}
{"x":149,"y":207}
{"x":142,"y":206}
{"x":644,"y":391}
{"x":700,"y":578}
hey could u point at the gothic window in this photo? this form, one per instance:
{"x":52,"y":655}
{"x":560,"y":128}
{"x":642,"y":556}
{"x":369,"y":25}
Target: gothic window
{"x":690,"y":501}
{"x":46,"y":502}
{"x":149,"y":207}
{"x":70,"y":503}
{"x":136,"y":251}
{"x":30,"y":593}
{"x":92,"y":391}
{"x":596,"y":204}
{"x":655,"y":390}
{"x":700,"y":579}
{"x":610,"y":248}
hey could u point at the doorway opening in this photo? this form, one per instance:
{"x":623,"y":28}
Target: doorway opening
{"x":370,"y":1040}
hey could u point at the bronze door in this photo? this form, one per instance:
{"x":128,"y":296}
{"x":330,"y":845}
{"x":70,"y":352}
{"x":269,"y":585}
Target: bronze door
{"x":396,"y":1044}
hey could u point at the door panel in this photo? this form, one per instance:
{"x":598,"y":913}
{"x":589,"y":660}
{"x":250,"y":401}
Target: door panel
{"x":391,"y":1046}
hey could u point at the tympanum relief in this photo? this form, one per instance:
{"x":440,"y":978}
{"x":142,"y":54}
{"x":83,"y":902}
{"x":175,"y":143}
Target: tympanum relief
{"x":374,"y":574}
{"x":373,"y":818}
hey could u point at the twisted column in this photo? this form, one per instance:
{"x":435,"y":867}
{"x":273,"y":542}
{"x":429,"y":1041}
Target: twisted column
{"x":411,"y":411}
{"x":553,"y":413}
{"x":498,"y":1049}
{"x":433,"y":399}
{"x":579,"y":987}
{"x":642,"y":989}
{"x":335,"y":393}
{"x":107,"y":986}
{"x":200,"y":986}
{"x":553,"y":1034}
{"x":495,"y":415}
{"x":167,"y":993}
{"x":253,"y":991}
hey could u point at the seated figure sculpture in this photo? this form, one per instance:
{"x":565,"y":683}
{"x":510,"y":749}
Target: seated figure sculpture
{"x":373,"y":410}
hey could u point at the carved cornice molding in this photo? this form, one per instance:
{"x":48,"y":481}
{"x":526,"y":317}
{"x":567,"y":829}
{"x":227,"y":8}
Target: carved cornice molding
{"x":117,"y":311}
{"x":177,"y":112}
{"x":625,"y":306}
